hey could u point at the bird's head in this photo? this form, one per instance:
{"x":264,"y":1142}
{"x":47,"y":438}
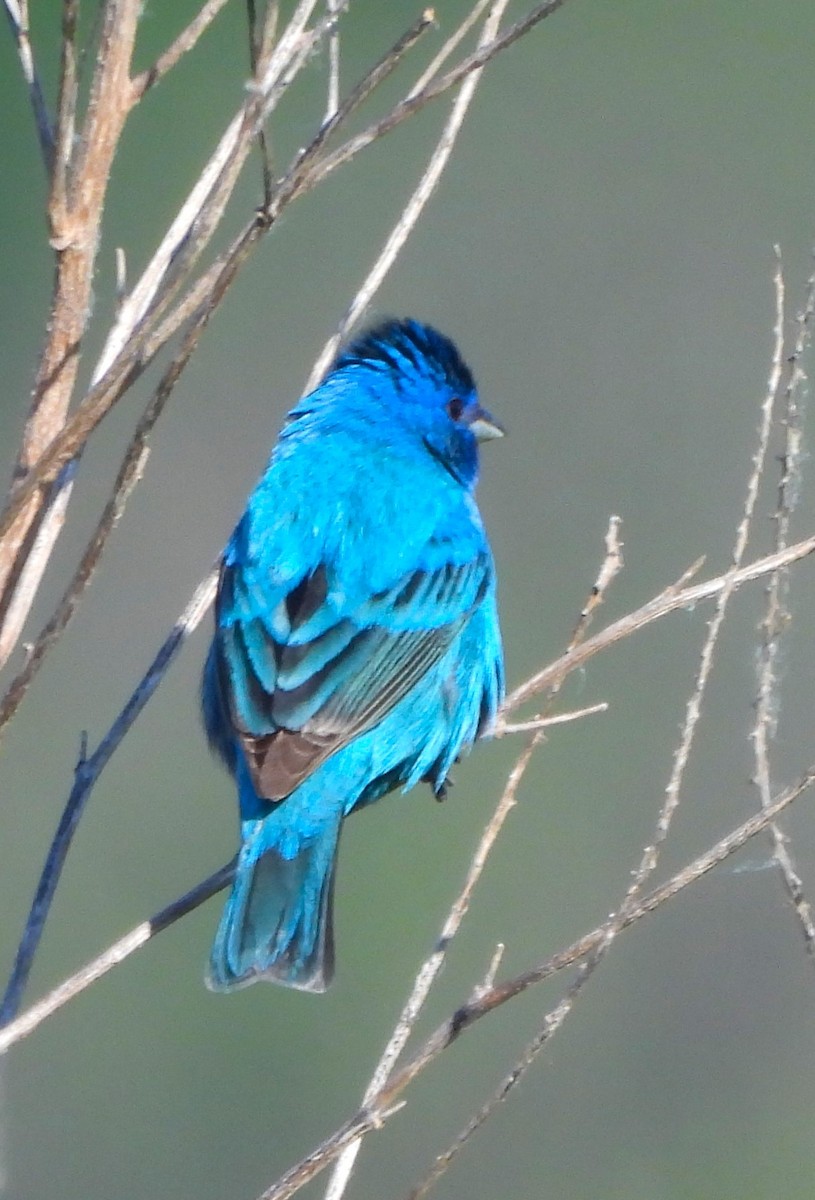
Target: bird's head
{"x":417,"y":379}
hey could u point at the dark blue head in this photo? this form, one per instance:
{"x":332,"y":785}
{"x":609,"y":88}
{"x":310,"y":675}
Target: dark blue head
{"x":427,"y":388}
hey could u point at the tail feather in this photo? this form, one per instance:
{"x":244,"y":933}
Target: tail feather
{"x":278,"y":921}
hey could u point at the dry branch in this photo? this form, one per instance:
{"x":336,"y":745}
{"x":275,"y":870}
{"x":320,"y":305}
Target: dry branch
{"x":79,"y":185}
{"x":776,"y":617}
{"x":183,"y":44}
{"x":17,"y":13}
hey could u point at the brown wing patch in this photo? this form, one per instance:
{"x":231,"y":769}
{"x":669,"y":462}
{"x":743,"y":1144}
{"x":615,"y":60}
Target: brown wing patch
{"x":279,"y":762}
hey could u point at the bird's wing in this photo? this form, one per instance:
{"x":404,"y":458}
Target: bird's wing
{"x":305,"y":678}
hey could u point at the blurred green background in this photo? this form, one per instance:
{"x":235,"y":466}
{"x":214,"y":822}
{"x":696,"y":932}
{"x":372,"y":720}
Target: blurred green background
{"x":601,"y":248}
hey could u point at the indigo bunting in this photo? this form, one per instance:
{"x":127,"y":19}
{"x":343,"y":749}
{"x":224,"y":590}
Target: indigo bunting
{"x":357,"y":646}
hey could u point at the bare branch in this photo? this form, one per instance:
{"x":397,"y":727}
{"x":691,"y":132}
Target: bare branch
{"x":333,"y":101}
{"x":456,"y":37}
{"x":17,"y":12}
{"x":260,"y":46}
{"x":547,"y":722}
{"x":114,"y":955}
{"x":672,"y":599}
{"x":414,"y":102}
{"x":87,"y":772}
{"x":74,"y":216}
{"x":186,"y":41}
{"x":693,"y":710}
{"x":776,"y":617}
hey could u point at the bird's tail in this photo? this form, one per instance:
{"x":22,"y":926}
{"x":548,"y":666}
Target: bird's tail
{"x":278,"y":921}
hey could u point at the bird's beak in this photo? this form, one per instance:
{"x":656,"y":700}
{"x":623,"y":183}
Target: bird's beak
{"x":484,"y":425}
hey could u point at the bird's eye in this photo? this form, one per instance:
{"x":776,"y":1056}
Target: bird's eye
{"x":455,"y":408}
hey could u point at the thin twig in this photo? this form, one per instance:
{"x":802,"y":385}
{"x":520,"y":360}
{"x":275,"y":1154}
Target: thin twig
{"x":297,"y":179}
{"x":672,"y":599}
{"x":455,"y":39}
{"x":413,"y":103}
{"x":17,"y":12}
{"x":113,"y":956}
{"x":267,"y":35}
{"x":256,"y":56}
{"x":552,"y":1022}
{"x":186,"y":41}
{"x":547,"y":722}
{"x":87,"y":773}
{"x":488,"y":982}
{"x":776,"y":617}
{"x":693,"y":710}
{"x":191,"y":229}
{"x":333,"y":98}
{"x":284,"y":193}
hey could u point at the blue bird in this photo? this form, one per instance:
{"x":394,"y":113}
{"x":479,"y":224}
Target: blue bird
{"x":357,"y":646}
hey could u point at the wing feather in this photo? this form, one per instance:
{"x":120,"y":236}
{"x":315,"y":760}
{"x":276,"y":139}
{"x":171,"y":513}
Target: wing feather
{"x":317,"y":674}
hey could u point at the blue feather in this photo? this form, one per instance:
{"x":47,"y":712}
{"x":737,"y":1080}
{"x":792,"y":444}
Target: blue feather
{"x":357,"y":647}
